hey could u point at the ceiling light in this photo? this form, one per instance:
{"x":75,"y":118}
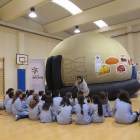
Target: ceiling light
{"x":68,"y":5}
{"x":32,"y":13}
{"x":100,"y":23}
{"x":77,"y":29}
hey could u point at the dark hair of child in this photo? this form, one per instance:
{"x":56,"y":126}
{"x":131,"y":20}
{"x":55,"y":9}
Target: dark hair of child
{"x":31,"y":92}
{"x":11,"y":94}
{"x":65,"y":101}
{"x":48,"y":103}
{"x":49,"y":93}
{"x":41,"y":93}
{"x":124,"y":96}
{"x":80,"y":93}
{"x":9,"y":90}
{"x":23,"y":96}
{"x":56,"y":93}
{"x":81,"y":102}
{"x":27,"y":92}
{"x":43,"y":98}
{"x":69,"y":94}
{"x":95,"y":99}
{"x":103,"y":97}
{"x":34,"y":101}
{"x":18,"y":92}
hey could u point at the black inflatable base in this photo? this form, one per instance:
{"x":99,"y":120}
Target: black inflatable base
{"x":132,"y":86}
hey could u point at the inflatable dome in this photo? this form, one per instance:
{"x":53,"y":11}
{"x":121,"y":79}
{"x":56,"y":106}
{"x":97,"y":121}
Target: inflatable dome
{"x":97,"y":58}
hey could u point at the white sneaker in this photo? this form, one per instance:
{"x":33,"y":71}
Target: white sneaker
{"x":16,"y":117}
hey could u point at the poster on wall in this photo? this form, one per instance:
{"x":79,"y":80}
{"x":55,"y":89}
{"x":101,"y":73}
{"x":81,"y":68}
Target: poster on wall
{"x":37,"y":75}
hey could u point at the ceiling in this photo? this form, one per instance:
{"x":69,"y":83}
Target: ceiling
{"x":3,"y":2}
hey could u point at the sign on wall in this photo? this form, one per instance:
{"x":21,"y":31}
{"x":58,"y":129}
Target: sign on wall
{"x":37,"y":75}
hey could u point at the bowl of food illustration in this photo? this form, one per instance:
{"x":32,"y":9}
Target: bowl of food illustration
{"x":102,"y":62}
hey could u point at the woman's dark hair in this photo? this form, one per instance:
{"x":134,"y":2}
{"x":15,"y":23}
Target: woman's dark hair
{"x":43,"y":98}
{"x":65,"y":101}
{"x":103,"y":97}
{"x":41,"y":93}
{"x":18,"y":92}
{"x":96,"y":101}
{"x":11,"y":94}
{"x":23,"y":96}
{"x":48,"y":103}
{"x":56,"y":93}
{"x":81,"y":102}
{"x":124,"y":96}
{"x":69,"y":94}
{"x":80,"y":78}
{"x":33,"y":102}
{"x":31,"y":92}
{"x":49,"y":93}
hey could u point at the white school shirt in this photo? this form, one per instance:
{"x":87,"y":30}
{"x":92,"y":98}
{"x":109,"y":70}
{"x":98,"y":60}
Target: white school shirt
{"x":72,"y":102}
{"x":35,"y":112}
{"x":65,"y":116}
{"x":29,"y":99}
{"x":84,"y":118}
{"x":47,"y":116}
{"x":94,"y":114}
{"x":56,"y":103}
{"x":9,"y":106}
{"x":6,"y":100}
{"x":124,"y":114}
{"x":85,"y":101}
{"x":40,"y":97}
{"x":17,"y":109}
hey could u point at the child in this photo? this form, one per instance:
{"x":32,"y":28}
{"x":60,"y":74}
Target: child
{"x":96,"y":110}
{"x":34,"y":108}
{"x":82,"y":112}
{"x":9,"y":104}
{"x":23,"y":103}
{"x":42,"y":101}
{"x":41,"y":93}
{"x":123,"y":109}
{"x":69,"y":95}
{"x":80,"y":93}
{"x":47,"y":115}
{"x":65,"y":116}
{"x":18,"y":111}
{"x":30,"y":96}
{"x":2,"y":107}
{"x":103,"y":97}
{"x":49,"y":93}
{"x":27,"y":93}
{"x":56,"y":100}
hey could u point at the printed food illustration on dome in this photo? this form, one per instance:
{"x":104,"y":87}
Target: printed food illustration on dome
{"x":121,"y":68}
{"x":104,"y":70}
{"x":112,"y":60}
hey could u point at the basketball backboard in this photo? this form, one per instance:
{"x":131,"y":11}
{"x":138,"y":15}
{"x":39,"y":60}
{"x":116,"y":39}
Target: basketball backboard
{"x":21,"y":59}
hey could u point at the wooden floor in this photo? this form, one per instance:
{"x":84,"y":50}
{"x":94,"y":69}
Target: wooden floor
{"x":26,"y":129}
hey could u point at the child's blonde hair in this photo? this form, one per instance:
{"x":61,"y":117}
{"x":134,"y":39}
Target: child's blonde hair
{"x":33,"y":102}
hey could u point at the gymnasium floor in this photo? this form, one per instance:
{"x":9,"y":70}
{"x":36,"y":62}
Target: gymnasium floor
{"x":26,"y":129}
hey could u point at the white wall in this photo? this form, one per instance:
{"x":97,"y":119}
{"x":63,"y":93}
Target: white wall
{"x":36,"y":47}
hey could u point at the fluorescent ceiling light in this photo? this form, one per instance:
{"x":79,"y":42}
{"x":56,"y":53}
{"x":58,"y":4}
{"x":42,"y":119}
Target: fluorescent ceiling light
{"x":100,"y":23}
{"x":32,"y":13}
{"x":77,"y":30}
{"x":68,"y":5}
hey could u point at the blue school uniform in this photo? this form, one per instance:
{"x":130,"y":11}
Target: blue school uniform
{"x":35,"y":112}
{"x":17,"y":109}
{"x":29,"y":99}
{"x":85,"y":101}
{"x":9,"y":106}
{"x":42,"y":102}
{"x":123,"y":113}
{"x":94,"y":114}
{"x":114,"y":106}
{"x":47,"y":116}
{"x":84,"y":118}
{"x":107,"y":109}
{"x":6,"y":100}
{"x":56,"y":103}
{"x":65,"y":116}
{"x":40,"y":98}
{"x":72,"y":102}
{"x":24,"y":105}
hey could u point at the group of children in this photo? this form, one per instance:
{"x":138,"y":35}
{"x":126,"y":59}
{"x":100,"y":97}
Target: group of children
{"x":48,"y":109}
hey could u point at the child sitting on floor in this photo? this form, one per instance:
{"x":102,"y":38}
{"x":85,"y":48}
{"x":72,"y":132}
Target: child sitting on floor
{"x":47,"y":115}
{"x":49,"y":93}
{"x":30,"y":96}
{"x":41,"y":93}
{"x":65,"y":116}
{"x":82,"y":112}
{"x":23,"y":102}
{"x":69,"y":95}
{"x":9,"y":103}
{"x":123,"y":109}
{"x":42,"y":101}
{"x":56,"y":100}
{"x":103,"y":97}
{"x":34,"y":108}
{"x":96,"y":110}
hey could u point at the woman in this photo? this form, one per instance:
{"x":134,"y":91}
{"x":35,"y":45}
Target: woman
{"x":82,"y":86}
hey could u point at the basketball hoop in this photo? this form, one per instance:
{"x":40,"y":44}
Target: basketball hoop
{"x":23,"y":62}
